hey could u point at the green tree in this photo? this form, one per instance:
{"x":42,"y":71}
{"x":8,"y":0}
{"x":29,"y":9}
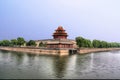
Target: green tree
{"x":21,"y":41}
{"x":14,"y":42}
{"x":0,"y":43}
{"x":104,"y":44}
{"x":88,"y":43}
{"x":96,"y":43}
{"x":5,"y":43}
{"x":41,"y":44}
{"x":114,"y":44}
{"x":82,"y":42}
{"x":31,"y":43}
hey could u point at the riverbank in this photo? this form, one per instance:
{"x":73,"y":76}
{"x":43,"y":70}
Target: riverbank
{"x":57,"y":52}
{"x":91,"y":50}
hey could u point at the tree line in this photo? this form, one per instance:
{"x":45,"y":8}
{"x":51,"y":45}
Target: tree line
{"x":86,"y":43}
{"x":20,"y":41}
{"x":80,"y":41}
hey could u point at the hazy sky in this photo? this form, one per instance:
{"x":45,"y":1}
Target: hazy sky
{"x":37,"y":19}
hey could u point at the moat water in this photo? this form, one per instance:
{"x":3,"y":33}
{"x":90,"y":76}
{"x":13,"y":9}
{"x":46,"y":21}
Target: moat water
{"x":102,"y":65}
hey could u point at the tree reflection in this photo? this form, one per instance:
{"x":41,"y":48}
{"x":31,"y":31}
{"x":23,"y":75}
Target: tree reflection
{"x":31,"y":58}
{"x":5,"y":55}
{"x":115,"y":51}
{"x":18,"y":56}
{"x":4,"y":51}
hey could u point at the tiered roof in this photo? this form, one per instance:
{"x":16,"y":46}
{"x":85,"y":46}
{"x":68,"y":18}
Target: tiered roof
{"x":60,"y":32}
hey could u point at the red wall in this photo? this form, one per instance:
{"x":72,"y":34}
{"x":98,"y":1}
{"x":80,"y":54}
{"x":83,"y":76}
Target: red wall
{"x":60,"y":37}
{"x":60,"y":46}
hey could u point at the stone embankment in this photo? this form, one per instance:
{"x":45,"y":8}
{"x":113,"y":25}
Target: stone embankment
{"x":90,"y":50}
{"x":57,"y":52}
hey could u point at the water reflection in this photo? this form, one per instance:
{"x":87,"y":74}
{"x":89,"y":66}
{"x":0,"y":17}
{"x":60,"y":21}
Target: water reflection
{"x":5,"y":58}
{"x":85,"y":63}
{"x":31,"y":59}
{"x":18,"y":57}
{"x":5,"y":55}
{"x":16,"y":65}
{"x":115,"y":52}
{"x":59,"y":66}
{"x":71,"y":62}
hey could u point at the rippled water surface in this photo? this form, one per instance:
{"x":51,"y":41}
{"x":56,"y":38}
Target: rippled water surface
{"x":102,"y":65}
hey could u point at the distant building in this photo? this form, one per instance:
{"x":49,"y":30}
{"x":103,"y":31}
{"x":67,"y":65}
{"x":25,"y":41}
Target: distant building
{"x":59,"y":40}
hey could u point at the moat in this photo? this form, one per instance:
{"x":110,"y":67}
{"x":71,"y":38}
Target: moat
{"x":101,"y":65}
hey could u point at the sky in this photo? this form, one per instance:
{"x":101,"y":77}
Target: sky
{"x":37,"y":19}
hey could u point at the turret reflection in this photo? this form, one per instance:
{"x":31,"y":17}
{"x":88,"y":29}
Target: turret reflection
{"x":71,"y":62}
{"x":59,"y":66}
{"x":67,"y":66}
